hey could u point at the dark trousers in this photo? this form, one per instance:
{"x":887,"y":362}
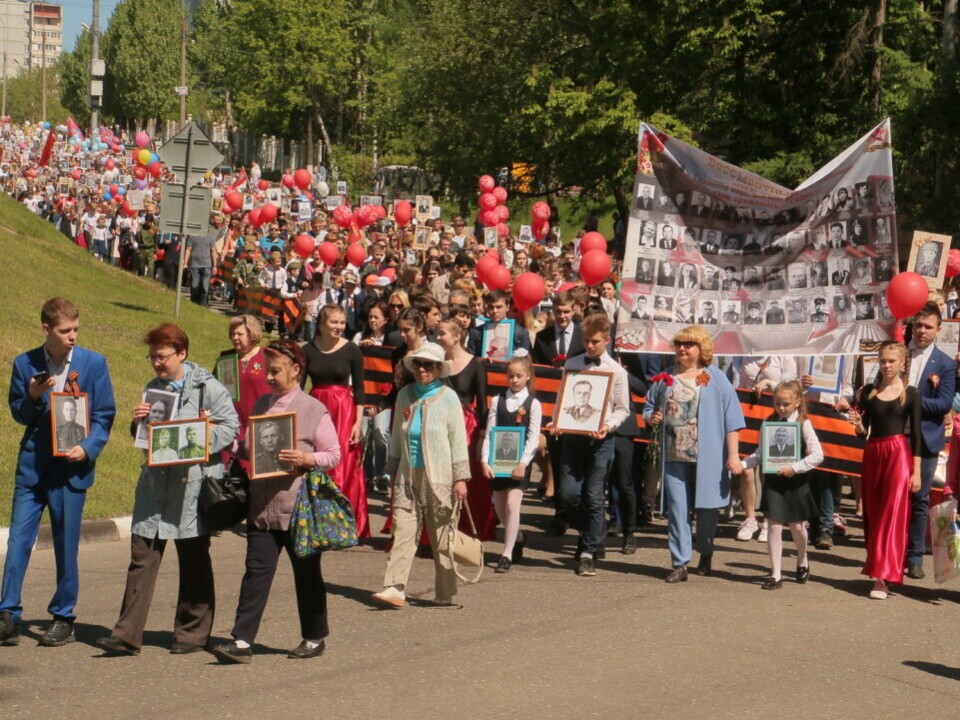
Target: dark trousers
{"x":583,"y":475}
{"x":920,"y":505}
{"x":196,"y":598}
{"x":622,"y":479}
{"x":263,"y":552}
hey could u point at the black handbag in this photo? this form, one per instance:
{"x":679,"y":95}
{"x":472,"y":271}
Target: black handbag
{"x":224,"y":501}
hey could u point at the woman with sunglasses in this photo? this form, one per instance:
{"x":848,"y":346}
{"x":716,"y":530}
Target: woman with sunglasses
{"x":271,"y":507}
{"x":697,"y":416}
{"x":429,"y":466}
{"x":166,"y":503}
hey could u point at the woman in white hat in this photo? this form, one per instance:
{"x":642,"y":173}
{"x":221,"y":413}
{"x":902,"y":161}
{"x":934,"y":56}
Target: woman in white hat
{"x":429,"y":465}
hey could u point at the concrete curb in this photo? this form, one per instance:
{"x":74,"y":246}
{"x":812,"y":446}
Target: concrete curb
{"x":91,"y":531}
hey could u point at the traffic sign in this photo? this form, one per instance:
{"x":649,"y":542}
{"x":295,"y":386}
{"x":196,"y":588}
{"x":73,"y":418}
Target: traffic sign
{"x":198,"y":210}
{"x":203,"y":156}
{"x":180,"y":89}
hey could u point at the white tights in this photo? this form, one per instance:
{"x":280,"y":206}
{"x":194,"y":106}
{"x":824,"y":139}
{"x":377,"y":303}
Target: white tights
{"x":775,"y":545}
{"x":507,"y":505}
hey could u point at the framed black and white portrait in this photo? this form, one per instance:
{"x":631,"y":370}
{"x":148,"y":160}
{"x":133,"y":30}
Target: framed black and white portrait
{"x":506,"y":449}
{"x":267,"y":436}
{"x":162,"y":405}
{"x":178,"y":442}
{"x":582,"y":401}
{"x":69,"y":421}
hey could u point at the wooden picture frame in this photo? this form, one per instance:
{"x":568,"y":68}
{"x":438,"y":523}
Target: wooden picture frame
{"x":162,"y":403}
{"x":497,"y":341}
{"x":505,"y":456}
{"x":267,"y":436}
{"x":69,"y":421}
{"x":929,"y":254}
{"x":422,"y":207}
{"x":775,"y":458}
{"x":580,"y":410}
{"x":227,"y":371}
{"x":175,"y":442}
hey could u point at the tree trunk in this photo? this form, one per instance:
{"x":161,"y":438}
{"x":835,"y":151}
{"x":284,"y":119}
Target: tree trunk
{"x":948,"y":84}
{"x":878,"y":16}
{"x":327,"y":146}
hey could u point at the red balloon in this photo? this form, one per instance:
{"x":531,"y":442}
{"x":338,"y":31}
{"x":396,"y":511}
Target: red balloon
{"x":500,"y":193}
{"x":268,"y":213}
{"x":906,"y":294}
{"x":953,"y":263}
{"x":329,"y":252}
{"x":484,"y":264}
{"x":156,"y":170}
{"x":402,"y":212}
{"x":77,"y":173}
{"x":127,"y":210}
{"x":116,"y":147}
{"x":592,"y":241}
{"x":487,"y":201}
{"x":489,"y":218}
{"x":540,"y":228}
{"x":253,"y":217}
{"x":30,"y":173}
{"x":343,"y":216}
{"x":287,"y":180}
{"x":109,"y":164}
{"x":302,"y":178}
{"x":139,"y":172}
{"x":114,"y":189}
{"x":498,"y":278}
{"x":366,"y":215}
{"x":595,"y":267}
{"x":263,"y":185}
{"x":528,"y":291}
{"x":502,"y":230}
{"x":540,"y":210}
{"x":494,"y":253}
{"x":356,"y":253}
{"x":486,"y":183}
{"x":381,"y":213}
{"x":304,"y":245}
{"x":389,"y":273}
{"x":354,"y":236}
{"x":503,"y":213}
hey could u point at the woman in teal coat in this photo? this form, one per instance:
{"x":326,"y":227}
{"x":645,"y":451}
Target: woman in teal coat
{"x":699,"y":420}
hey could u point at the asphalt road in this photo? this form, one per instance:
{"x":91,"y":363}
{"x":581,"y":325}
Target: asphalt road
{"x":537,"y":642}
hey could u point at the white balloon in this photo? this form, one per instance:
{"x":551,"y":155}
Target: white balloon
{"x":323,"y":190}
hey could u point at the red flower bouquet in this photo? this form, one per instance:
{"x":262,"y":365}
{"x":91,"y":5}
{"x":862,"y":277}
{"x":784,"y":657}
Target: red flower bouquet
{"x":653,"y":447}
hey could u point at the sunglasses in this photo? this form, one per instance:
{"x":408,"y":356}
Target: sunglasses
{"x":424,"y":364}
{"x":687,"y":344}
{"x":396,"y":305}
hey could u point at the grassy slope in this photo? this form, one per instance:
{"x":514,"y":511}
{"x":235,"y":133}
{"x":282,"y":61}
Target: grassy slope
{"x":116,"y":309}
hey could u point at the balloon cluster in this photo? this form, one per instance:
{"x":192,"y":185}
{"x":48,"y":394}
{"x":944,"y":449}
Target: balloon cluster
{"x":540,"y":219}
{"x":493,"y":212}
{"x":595,"y":264}
{"x":346,"y":218}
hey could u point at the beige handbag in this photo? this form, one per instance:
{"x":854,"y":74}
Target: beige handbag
{"x":463,"y":549}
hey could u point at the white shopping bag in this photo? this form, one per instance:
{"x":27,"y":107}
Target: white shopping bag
{"x":945,"y":541}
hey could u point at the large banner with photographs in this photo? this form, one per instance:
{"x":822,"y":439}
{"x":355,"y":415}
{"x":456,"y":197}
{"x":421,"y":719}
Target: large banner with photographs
{"x":764,"y":268}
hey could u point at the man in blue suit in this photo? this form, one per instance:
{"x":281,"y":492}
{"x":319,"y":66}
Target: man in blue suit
{"x":933,"y":374}
{"x":44,"y":481}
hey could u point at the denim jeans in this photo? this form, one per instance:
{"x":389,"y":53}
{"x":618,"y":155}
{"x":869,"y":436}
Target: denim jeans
{"x":584,"y":466}
{"x":679,"y":493}
{"x":377,"y":443}
{"x":920,"y":505}
{"x":200,"y":284}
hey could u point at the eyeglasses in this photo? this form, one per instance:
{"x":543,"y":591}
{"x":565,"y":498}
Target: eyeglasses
{"x":159,"y":358}
{"x":396,"y":306}
{"x":424,"y":364}
{"x":686,"y":344}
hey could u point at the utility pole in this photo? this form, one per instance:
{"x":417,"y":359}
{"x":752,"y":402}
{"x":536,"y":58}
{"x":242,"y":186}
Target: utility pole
{"x":183,"y":72}
{"x":43,"y":74}
{"x":94,"y":61}
{"x":3,"y":113}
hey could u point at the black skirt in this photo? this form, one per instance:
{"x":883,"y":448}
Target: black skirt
{"x":788,"y":500}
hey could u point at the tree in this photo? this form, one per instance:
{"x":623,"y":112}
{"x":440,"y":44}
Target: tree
{"x":24,"y":96}
{"x":74,"y":69}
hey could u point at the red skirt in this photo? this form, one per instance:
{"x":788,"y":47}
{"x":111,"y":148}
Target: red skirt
{"x":348,"y":475}
{"x":885,"y":488}
{"x":479,"y":493}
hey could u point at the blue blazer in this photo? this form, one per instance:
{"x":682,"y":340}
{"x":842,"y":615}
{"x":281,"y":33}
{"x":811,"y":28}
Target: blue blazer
{"x":35,"y":461}
{"x":935,"y":402}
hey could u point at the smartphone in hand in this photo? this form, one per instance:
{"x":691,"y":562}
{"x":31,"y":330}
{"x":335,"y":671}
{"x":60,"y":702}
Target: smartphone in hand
{"x":41,"y":377}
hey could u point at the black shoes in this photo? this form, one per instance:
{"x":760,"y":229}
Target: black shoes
{"x":59,"y":633}
{"x":679,"y":574}
{"x":772,"y":583}
{"x":504,"y":564}
{"x":915,"y":572}
{"x":629,"y":545}
{"x":585,"y":567}
{"x":115,"y":646}
{"x":9,"y":629}
{"x":825,"y":540}
{"x":517,"y":554}
{"x":234,"y":655}
{"x":705,"y":566}
{"x":803,"y":574}
{"x":184,"y":648}
{"x":305,"y":652}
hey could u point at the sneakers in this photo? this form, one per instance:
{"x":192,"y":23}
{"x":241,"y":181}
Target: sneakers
{"x":629,"y":546}
{"x":9,"y":629}
{"x":747,"y":529}
{"x":59,"y":633}
{"x":391,"y":597}
{"x":825,"y":540}
{"x":839,"y":526}
{"x":585,"y":567}
{"x":762,"y":537}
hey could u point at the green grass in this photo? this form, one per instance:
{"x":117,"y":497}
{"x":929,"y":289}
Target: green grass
{"x":116,"y":308}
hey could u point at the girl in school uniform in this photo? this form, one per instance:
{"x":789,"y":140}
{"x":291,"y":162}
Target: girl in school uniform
{"x":515,"y":408}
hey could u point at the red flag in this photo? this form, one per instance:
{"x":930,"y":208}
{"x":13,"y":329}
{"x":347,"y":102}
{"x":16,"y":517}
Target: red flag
{"x":47,"y":148}
{"x":241,"y":180}
{"x":73,"y":127}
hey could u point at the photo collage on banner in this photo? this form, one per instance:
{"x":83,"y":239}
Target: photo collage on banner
{"x":762,"y":267}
